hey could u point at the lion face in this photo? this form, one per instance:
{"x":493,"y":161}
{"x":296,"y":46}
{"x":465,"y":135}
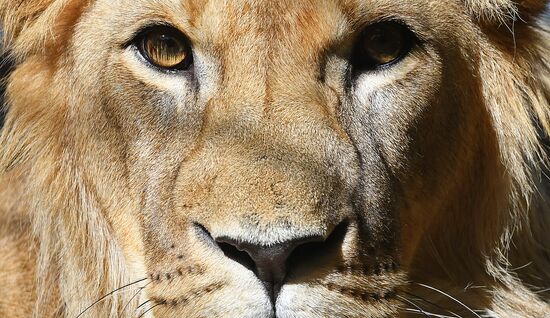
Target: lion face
{"x":276,"y":158}
{"x":275,"y":173}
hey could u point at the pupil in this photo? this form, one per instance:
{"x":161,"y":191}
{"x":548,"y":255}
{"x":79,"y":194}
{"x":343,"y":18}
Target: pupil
{"x":385,"y":46}
{"x":169,"y":42}
{"x":380,"y":40}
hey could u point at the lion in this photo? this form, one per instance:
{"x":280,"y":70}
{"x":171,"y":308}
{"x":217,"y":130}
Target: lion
{"x":239,"y":158}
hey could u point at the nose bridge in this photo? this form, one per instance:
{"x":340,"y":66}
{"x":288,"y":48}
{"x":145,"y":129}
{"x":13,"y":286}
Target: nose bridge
{"x":271,"y":110}
{"x":274,"y":181}
{"x":280,"y":154}
{"x":274,"y":105}
{"x":271,"y":55}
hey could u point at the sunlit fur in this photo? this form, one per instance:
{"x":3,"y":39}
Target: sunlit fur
{"x":87,"y":153}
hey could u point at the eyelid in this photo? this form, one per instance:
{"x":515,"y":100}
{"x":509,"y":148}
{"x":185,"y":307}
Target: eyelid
{"x":420,"y":36}
{"x":146,"y":27}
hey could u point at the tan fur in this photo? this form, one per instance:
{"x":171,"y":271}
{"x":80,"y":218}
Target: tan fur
{"x":437,"y":164}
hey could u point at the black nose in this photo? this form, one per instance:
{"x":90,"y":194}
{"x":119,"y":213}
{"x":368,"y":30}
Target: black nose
{"x":268,"y":262}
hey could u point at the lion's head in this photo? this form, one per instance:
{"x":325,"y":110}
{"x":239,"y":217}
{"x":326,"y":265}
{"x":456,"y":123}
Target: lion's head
{"x":280,"y":158}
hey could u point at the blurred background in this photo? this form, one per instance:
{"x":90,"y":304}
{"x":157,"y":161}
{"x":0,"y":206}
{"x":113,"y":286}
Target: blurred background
{"x":5,"y":68}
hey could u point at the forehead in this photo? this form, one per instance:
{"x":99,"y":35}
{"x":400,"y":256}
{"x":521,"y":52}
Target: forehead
{"x":219,"y":21}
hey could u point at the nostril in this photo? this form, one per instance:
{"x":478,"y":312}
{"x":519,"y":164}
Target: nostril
{"x":229,"y":250}
{"x":241,"y":257}
{"x":314,"y":255}
{"x":268,"y":262}
{"x":204,"y":235}
{"x":272,"y":263}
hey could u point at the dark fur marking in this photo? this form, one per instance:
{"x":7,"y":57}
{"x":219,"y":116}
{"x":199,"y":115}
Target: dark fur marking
{"x":376,"y":269}
{"x":195,"y":270}
{"x":7,"y":66}
{"x":360,"y":294}
{"x":196,"y":294}
{"x":390,"y":295}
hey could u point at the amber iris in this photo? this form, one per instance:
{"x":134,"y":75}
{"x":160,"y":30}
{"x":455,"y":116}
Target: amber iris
{"x":383,"y":43}
{"x":166,"y":48}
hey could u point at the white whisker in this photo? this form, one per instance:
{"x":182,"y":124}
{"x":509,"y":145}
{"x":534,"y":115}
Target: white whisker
{"x":416,"y":311}
{"x":450,"y":297}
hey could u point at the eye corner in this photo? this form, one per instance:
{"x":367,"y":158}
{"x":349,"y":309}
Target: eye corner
{"x":382,"y":44}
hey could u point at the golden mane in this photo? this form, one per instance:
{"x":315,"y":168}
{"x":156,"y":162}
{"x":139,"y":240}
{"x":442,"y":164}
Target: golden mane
{"x":31,"y":150}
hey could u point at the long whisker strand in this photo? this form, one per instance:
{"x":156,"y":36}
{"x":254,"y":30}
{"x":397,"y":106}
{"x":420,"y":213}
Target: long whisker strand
{"x":133,"y":297}
{"x":144,"y":303}
{"x":450,"y":297}
{"x":429,"y":314}
{"x":110,"y":294}
{"x":412,"y":303}
{"x":148,"y":310}
{"x":431,"y":303}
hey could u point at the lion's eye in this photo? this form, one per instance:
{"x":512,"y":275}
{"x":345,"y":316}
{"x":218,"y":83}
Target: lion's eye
{"x":166,"y":48}
{"x":381,"y":44}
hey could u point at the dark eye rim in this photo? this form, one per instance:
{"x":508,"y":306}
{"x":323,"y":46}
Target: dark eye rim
{"x":138,"y":44}
{"x":361,"y":65}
